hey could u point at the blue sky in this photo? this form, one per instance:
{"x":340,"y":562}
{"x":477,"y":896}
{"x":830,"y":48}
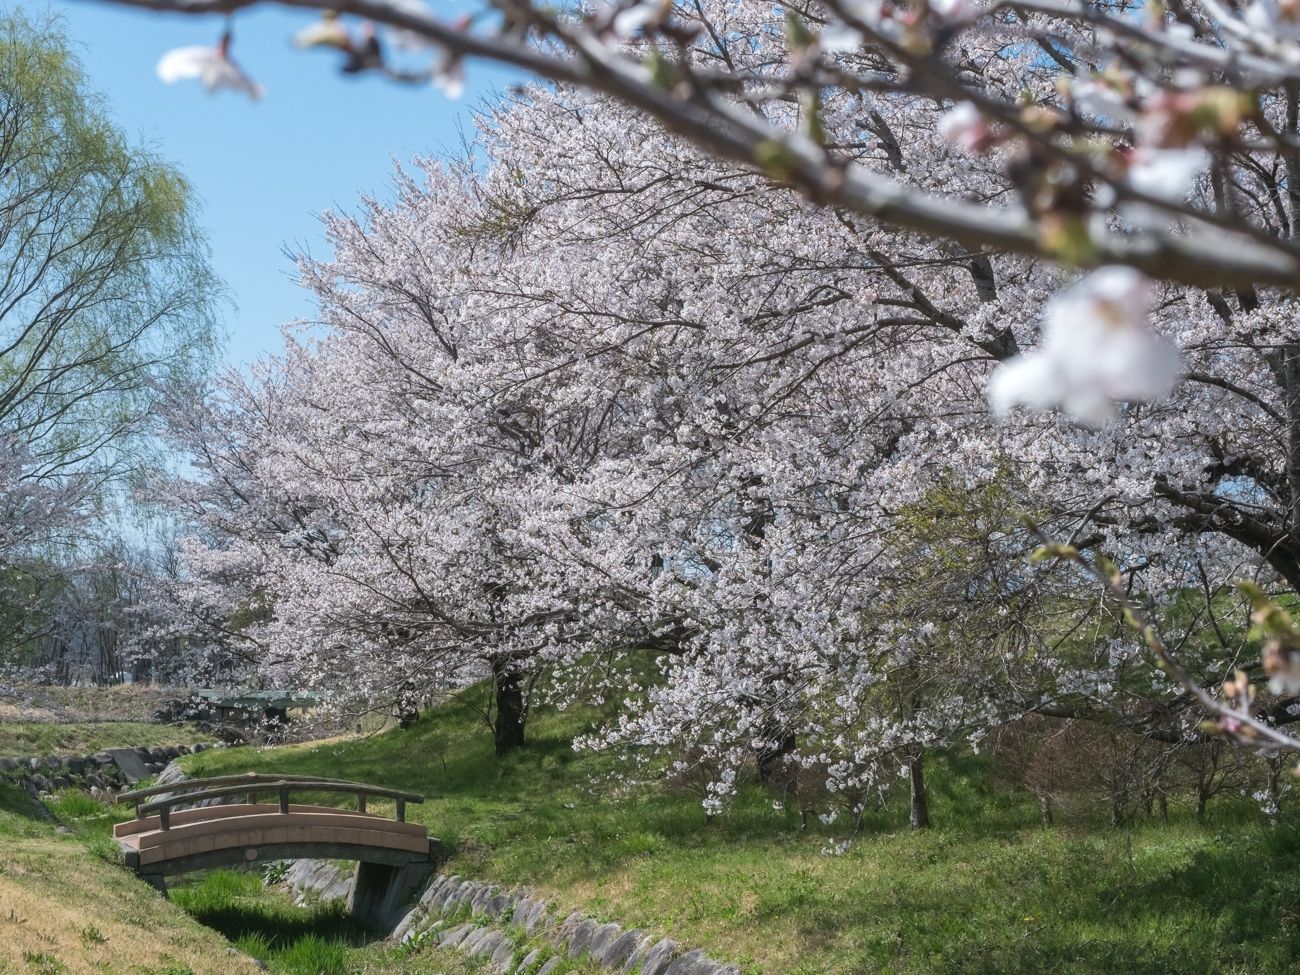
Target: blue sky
{"x":263,"y":171}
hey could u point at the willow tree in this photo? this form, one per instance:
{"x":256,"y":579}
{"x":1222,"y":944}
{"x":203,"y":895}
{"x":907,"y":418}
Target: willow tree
{"x":105,"y":299}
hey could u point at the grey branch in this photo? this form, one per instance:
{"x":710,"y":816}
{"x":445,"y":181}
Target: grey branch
{"x":725,"y":129}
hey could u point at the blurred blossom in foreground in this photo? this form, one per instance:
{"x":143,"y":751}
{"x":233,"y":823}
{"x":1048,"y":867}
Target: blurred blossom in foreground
{"x":1097,"y":351}
{"x":210,"y":65}
{"x":1275,"y":18}
{"x":1168,"y":174}
{"x":965,"y":127}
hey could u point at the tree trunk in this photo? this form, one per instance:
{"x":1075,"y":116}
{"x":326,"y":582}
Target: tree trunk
{"x":1200,"y":806}
{"x":920,"y":813}
{"x":408,"y":707}
{"x":1045,"y":805}
{"x":770,"y":755}
{"x":1274,"y":787}
{"x":508,"y":729}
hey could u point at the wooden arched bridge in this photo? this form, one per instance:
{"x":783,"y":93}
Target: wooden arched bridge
{"x":200,"y":823}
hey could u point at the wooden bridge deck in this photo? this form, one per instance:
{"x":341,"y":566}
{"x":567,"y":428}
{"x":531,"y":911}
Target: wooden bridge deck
{"x":250,"y":831}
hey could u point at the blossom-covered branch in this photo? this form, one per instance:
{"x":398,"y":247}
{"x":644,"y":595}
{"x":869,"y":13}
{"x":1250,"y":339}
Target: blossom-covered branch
{"x":1095,"y":163}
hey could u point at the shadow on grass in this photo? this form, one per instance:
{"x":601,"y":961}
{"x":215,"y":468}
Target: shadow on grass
{"x":289,"y":940}
{"x":278,"y":931}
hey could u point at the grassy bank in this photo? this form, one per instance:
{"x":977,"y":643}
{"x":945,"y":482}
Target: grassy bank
{"x":64,"y":911}
{"x":987,"y":891}
{"x":84,"y":738}
{"x":119,"y":702}
{"x":288,"y":940}
{"x":84,"y":913}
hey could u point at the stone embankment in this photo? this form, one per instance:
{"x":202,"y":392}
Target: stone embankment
{"x":103,"y":772}
{"x":514,"y":930}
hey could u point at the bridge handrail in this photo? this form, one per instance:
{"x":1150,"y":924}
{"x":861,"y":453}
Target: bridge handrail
{"x":283,"y":786}
{"x":189,"y":785}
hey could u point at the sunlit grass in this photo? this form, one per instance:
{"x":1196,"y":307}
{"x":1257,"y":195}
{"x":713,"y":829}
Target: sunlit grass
{"x":86,"y":737}
{"x":987,"y":891}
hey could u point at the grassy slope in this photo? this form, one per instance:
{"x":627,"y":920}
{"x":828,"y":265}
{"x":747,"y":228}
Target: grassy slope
{"x":123,"y":702}
{"x":64,"y":911}
{"x":989,"y":891}
{"x":83,"y":738}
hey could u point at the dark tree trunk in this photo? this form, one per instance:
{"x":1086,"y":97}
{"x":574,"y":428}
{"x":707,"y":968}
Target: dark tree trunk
{"x":1201,"y":799}
{"x":508,"y":729}
{"x":770,"y":755}
{"x":920,"y":812}
{"x":1274,"y":787}
{"x":408,"y":707}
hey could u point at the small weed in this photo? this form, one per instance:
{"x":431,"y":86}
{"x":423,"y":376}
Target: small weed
{"x":44,"y":963}
{"x":311,"y":955}
{"x":93,"y":936}
{"x":274,"y":873}
{"x":255,"y":943}
{"x":75,"y":804}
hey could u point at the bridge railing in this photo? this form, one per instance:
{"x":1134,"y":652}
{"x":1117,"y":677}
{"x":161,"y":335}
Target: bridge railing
{"x":253,"y":784}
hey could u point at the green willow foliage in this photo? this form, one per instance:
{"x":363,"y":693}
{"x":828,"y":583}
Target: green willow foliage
{"x":106,"y":308}
{"x":105,"y":292}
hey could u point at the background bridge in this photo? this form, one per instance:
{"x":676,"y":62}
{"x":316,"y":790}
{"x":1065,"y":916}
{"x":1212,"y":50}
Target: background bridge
{"x":202,"y":823}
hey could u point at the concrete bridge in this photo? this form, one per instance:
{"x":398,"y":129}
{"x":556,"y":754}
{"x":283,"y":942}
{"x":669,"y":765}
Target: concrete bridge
{"x":218,"y":821}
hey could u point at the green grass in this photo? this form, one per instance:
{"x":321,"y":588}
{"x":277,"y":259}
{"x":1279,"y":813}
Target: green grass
{"x":66,"y":912}
{"x":288,"y":940}
{"x":987,"y":891}
{"x":84,"y":738}
{"x":268,"y":927}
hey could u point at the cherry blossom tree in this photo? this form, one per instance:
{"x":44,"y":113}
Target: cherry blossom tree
{"x":673,"y":368}
{"x":642,"y":438}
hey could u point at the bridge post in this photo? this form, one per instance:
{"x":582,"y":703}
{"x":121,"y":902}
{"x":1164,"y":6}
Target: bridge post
{"x":380,"y":891}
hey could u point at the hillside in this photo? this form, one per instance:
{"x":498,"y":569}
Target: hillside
{"x":84,"y":737}
{"x":65,"y":911}
{"x":988,"y":890}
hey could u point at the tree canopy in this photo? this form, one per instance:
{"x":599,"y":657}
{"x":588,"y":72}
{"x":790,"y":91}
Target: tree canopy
{"x":106,"y":303}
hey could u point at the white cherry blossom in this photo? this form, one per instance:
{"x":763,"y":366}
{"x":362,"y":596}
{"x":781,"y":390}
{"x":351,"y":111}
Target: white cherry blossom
{"x":212,"y":66}
{"x":1098,"y":351}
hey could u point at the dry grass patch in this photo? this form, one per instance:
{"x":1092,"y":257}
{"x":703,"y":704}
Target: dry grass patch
{"x":65,"y":912}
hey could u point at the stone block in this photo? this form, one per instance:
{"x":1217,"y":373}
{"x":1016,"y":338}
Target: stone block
{"x":580,"y":939}
{"x":659,"y":957}
{"x":618,"y":950}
